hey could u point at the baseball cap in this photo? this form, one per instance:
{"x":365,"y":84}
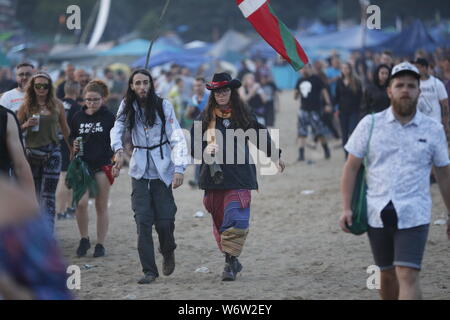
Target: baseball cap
{"x":422,"y":62}
{"x":405,"y":67}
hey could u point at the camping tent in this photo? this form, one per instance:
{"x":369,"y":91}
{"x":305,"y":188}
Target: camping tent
{"x":347,"y":39}
{"x":187,"y":58}
{"x":409,"y":40}
{"x":192,"y":56}
{"x":441,"y":35}
{"x":318,"y":28}
{"x":231,"y":42}
{"x":139,"y":47}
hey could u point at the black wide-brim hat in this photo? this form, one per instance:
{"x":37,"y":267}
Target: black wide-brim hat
{"x":223,"y":80}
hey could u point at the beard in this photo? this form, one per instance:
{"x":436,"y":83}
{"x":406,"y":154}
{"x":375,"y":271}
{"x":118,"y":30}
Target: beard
{"x":405,"y":107}
{"x":142,"y":100}
{"x":22,"y":85}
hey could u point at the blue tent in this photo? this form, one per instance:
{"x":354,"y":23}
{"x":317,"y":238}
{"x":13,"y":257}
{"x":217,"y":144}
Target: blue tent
{"x":139,"y":47}
{"x":191,"y":59}
{"x":262,"y":49}
{"x":441,"y":35}
{"x":347,"y":39}
{"x":408,"y":41}
{"x":318,"y":28}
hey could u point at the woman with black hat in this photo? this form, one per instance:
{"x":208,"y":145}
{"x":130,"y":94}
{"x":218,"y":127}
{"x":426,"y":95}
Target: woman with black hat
{"x":228,"y":184}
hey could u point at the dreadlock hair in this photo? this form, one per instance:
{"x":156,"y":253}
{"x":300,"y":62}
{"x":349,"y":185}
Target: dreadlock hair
{"x":153,"y":102}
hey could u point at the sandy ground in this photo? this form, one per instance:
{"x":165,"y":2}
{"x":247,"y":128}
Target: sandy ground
{"x":295,"y":249}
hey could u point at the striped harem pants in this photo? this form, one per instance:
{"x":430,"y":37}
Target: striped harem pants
{"x":230,"y":211}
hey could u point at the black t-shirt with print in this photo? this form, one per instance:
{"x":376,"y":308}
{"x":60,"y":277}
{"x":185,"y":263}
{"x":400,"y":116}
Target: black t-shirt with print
{"x":310,"y":90}
{"x":95,"y":131}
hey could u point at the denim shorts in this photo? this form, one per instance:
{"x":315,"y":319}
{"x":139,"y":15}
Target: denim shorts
{"x":393,"y":247}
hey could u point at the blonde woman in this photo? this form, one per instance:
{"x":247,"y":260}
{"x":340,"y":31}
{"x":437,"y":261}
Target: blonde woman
{"x":41,"y":115}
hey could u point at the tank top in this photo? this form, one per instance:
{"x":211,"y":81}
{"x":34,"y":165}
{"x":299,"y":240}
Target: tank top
{"x":47,"y":134}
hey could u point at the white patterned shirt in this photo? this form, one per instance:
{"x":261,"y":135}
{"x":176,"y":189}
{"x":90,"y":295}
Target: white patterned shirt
{"x":399,"y":165}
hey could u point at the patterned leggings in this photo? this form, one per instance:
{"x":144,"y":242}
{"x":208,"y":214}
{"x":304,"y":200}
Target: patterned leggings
{"x":46,"y":180}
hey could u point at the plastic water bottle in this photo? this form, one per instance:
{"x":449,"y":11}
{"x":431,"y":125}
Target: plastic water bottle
{"x":80,"y":143}
{"x":36,"y":127}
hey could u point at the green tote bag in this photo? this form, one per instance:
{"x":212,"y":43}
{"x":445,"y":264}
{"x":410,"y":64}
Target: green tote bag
{"x":360,"y":223}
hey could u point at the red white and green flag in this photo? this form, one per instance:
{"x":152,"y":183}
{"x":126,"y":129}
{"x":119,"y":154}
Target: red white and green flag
{"x":274,"y":31}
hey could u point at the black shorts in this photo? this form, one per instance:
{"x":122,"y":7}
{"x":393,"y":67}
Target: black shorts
{"x":393,"y":247}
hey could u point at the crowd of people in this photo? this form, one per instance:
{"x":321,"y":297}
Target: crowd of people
{"x":335,"y":94}
{"x":65,"y":141}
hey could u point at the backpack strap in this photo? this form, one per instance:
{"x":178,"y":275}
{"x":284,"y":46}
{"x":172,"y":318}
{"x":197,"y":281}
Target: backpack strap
{"x":161,"y":114}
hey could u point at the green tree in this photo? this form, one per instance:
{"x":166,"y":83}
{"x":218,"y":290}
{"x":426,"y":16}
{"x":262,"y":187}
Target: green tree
{"x":204,"y":18}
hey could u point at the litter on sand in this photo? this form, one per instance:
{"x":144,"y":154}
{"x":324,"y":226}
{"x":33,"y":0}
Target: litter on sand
{"x":202,"y":270}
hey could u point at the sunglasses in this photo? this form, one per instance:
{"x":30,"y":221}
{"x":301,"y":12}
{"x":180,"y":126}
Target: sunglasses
{"x":24,"y":75}
{"x":92,"y":99}
{"x":222,"y":91}
{"x":39,"y":86}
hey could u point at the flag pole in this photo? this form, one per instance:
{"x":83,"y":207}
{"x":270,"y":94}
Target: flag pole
{"x":158,"y":30}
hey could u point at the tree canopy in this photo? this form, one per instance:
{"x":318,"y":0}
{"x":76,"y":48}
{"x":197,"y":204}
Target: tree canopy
{"x":202,"y":19}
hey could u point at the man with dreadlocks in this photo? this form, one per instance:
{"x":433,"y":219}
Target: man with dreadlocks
{"x":228,"y":185}
{"x":158,"y":163}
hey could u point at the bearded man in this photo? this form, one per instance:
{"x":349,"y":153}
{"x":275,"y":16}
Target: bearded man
{"x":404,"y":146}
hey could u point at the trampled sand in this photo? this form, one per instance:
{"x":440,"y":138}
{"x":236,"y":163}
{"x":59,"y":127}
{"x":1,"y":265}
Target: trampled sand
{"x":295,"y":249}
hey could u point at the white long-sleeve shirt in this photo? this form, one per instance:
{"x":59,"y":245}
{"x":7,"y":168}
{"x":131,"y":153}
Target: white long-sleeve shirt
{"x":175,"y":153}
